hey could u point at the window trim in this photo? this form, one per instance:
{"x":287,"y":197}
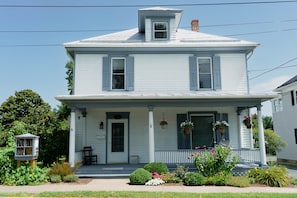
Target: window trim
{"x":125,"y":72}
{"x":211,"y":73}
{"x":154,"y":31}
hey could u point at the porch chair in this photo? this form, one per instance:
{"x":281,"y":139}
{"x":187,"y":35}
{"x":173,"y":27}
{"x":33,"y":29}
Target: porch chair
{"x":88,"y":156}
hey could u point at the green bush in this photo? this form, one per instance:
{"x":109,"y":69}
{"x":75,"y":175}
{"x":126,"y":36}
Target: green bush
{"x":180,"y":171}
{"x":218,"y":159}
{"x":238,"y":181}
{"x":219,"y":179}
{"x":140,"y":176}
{"x":170,"y":178}
{"x":61,"y":169}
{"x":194,"y":179}
{"x":70,"y":178}
{"x":275,"y":176}
{"x":294,"y":182}
{"x":55,"y":178}
{"x":157,"y":167}
{"x":25,"y":175}
{"x":7,"y":162}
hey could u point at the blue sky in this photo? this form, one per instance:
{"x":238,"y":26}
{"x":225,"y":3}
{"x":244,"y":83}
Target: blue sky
{"x":42,"y":67}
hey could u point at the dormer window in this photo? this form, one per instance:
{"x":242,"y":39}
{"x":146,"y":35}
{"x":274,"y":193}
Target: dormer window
{"x":160,"y":30}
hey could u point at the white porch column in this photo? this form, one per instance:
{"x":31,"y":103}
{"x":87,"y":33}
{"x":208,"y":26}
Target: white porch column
{"x":261,"y":137}
{"x":151,"y":135}
{"x":72,"y":138}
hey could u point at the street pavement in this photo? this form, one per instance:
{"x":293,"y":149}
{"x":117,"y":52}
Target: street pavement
{"x":122,"y":184}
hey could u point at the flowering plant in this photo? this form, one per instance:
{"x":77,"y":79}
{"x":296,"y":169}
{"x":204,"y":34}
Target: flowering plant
{"x":186,"y":125}
{"x":220,"y":124}
{"x":163,"y":122}
{"x":247,"y":121}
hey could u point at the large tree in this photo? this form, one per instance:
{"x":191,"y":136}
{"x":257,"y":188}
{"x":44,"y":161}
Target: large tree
{"x":28,"y":107}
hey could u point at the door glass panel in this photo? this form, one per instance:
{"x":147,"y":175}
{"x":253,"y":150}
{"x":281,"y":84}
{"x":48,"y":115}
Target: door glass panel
{"x":202,"y":134}
{"x":117,"y":137}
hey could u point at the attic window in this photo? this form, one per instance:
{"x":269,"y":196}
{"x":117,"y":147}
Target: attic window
{"x":160,"y":30}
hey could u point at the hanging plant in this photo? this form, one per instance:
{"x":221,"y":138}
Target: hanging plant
{"x":220,"y":126}
{"x":163,"y":123}
{"x":186,"y":127}
{"x":247,"y":122}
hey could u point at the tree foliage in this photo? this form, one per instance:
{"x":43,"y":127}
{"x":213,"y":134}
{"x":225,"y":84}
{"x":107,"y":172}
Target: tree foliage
{"x":28,"y":107}
{"x":26,"y":112}
{"x":273,"y":142}
{"x":70,"y":68}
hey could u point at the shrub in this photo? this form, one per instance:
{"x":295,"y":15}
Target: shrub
{"x":158,"y":167}
{"x":275,"y":176}
{"x":218,"y":159}
{"x":55,"y":178}
{"x":194,"y":179}
{"x":61,"y":169}
{"x":238,"y":181}
{"x":7,"y":162}
{"x":70,"y":178}
{"x":25,"y":175}
{"x":170,"y":178}
{"x":180,"y":171}
{"x":294,"y":182}
{"x":219,"y":179}
{"x":140,"y":176}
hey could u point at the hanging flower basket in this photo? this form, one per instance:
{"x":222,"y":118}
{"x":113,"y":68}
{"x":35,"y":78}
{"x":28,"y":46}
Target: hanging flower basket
{"x":186,"y":127}
{"x":220,"y":126}
{"x":247,"y":122}
{"x":163,"y":124}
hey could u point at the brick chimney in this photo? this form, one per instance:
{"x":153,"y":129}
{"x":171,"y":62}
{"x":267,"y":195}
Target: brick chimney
{"x":195,"y":25}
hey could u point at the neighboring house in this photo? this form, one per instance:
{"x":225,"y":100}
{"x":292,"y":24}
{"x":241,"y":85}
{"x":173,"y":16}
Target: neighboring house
{"x":284,"y":109}
{"x":125,"y":83}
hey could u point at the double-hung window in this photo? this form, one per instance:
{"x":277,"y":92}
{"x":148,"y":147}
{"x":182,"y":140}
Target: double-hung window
{"x":160,"y":30}
{"x":118,"y":73}
{"x":204,"y":73}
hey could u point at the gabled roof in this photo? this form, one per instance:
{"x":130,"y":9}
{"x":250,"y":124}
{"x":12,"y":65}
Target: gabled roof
{"x":289,"y":82}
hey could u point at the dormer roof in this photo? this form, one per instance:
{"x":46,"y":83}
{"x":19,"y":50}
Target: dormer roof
{"x":157,"y":12}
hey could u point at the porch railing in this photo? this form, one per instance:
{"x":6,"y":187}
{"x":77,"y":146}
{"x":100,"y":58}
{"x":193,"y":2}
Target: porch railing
{"x":185,"y":156}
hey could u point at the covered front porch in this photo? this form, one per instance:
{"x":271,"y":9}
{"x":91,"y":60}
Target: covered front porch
{"x":144,"y":139}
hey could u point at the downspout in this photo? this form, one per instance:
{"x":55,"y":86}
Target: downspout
{"x":247,"y":72}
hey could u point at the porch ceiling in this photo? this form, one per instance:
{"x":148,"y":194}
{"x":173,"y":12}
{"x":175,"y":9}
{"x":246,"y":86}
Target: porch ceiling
{"x":165,"y":100}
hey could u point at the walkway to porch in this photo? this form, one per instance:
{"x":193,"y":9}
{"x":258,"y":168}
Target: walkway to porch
{"x":124,"y":170}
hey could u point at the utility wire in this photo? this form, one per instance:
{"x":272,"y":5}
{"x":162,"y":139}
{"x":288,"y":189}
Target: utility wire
{"x":283,"y":67}
{"x":148,"y":5}
{"x":274,"y":68}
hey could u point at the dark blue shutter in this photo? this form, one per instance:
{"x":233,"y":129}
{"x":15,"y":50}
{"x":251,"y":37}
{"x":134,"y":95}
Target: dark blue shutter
{"x":193,"y":73}
{"x":106,"y":74}
{"x":184,"y":141}
{"x":216,"y":68}
{"x":130,"y":73}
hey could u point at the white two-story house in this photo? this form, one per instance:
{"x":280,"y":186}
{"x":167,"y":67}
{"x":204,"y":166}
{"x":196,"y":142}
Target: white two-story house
{"x":126,"y":82}
{"x":284,"y":119}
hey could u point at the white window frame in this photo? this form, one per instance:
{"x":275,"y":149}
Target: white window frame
{"x":211,"y":73}
{"x":166,"y":31}
{"x":277,"y":105}
{"x":124,"y":73}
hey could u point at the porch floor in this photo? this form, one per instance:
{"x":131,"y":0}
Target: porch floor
{"x":124,"y":170}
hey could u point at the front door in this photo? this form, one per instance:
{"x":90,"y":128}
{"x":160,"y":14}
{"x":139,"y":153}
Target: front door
{"x":117,"y":141}
{"x":202,"y":134}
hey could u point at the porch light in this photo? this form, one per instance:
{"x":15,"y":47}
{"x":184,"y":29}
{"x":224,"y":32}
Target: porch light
{"x":101,"y":126}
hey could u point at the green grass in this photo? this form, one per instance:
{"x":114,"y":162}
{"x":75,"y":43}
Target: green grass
{"x":147,"y":194}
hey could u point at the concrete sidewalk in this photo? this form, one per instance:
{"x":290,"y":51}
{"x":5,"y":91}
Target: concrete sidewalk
{"x":122,"y":184}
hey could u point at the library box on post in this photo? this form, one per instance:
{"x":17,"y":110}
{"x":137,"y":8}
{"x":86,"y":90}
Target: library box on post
{"x":27,"y":147}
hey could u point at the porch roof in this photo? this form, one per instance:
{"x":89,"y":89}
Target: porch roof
{"x":134,"y":99}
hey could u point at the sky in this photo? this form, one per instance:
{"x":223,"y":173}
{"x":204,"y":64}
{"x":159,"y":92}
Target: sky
{"x":32,"y":33}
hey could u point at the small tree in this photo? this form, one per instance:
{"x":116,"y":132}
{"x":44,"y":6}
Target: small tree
{"x":273,"y":142}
